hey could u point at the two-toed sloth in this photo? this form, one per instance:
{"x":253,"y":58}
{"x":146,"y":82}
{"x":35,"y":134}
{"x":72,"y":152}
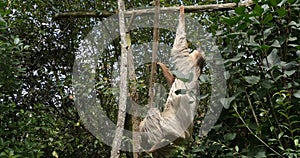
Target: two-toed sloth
{"x":174,"y":123}
{"x":196,"y":56}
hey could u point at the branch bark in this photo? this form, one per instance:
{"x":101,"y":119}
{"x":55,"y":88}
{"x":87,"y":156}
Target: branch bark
{"x":83,"y":14}
{"x":136,"y":138}
{"x":123,"y":83}
{"x":154,"y":52}
{"x":188,"y":9}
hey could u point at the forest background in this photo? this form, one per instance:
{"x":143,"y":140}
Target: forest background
{"x":260,"y":46}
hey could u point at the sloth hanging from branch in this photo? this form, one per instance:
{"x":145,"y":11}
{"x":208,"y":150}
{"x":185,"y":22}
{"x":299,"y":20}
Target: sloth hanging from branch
{"x":174,"y":123}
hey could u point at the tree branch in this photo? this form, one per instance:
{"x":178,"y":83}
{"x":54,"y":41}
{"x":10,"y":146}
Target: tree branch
{"x":83,"y":14}
{"x":188,"y":9}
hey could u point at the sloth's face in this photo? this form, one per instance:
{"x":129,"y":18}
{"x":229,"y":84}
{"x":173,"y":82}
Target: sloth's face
{"x":197,"y":57}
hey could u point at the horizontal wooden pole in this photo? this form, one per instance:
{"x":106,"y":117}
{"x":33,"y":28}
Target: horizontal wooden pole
{"x":83,"y":14}
{"x":188,"y":9}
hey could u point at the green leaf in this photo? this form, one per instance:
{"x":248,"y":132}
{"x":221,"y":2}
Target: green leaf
{"x":293,"y":38}
{"x":16,"y":41}
{"x":272,"y":128}
{"x":267,"y":84}
{"x":252,"y":79}
{"x":281,"y":112}
{"x":258,"y":10}
{"x":252,"y":41}
{"x":281,"y":3}
{"x":55,"y":154}
{"x":297,"y":94}
{"x":261,"y":154}
{"x":276,"y":44}
{"x":217,"y":127}
{"x":296,"y":142}
{"x":266,"y":8}
{"x":291,"y":116}
{"x":280,"y":135}
{"x":267,"y":18}
{"x":254,"y":20}
{"x":1,"y":141}
{"x":273,"y":2}
{"x":229,"y":21}
{"x":281,"y":148}
{"x":236,"y":148}
{"x":273,"y":59}
{"x":293,"y":23}
{"x":226,"y":102}
{"x":294,"y":45}
{"x":265,"y":48}
{"x":236,"y":58}
{"x":3,"y":23}
{"x":295,"y":130}
{"x":229,"y":136}
{"x":2,"y":5}
{"x":289,"y":73}
{"x":240,"y":10}
{"x":267,"y":32}
{"x":26,"y":47}
{"x":281,"y":12}
{"x":294,"y":122}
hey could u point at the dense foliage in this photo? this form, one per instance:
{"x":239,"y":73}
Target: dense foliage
{"x":259,"y":44}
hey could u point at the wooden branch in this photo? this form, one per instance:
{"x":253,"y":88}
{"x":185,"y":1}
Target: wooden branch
{"x":136,"y":138}
{"x":191,"y":9}
{"x":154,"y":53}
{"x":188,"y":9}
{"x":130,"y":23}
{"x":116,"y":144}
{"x":83,"y":14}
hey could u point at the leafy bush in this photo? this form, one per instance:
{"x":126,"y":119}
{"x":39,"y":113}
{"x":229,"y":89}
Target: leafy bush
{"x":262,"y":54}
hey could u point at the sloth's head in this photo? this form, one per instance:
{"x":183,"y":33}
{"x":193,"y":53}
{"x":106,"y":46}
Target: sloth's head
{"x":198,"y":58}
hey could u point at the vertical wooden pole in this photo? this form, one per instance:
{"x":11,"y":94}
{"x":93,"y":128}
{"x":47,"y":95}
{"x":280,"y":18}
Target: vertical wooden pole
{"x":136,"y":139}
{"x":154,"y":52}
{"x":115,"y":152}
